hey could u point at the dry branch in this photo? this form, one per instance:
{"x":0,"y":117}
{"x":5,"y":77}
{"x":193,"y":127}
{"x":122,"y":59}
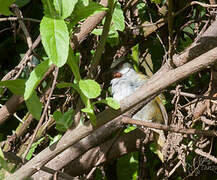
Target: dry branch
{"x":127,"y":143}
{"x":153,"y":86}
{"x":128,"y":120}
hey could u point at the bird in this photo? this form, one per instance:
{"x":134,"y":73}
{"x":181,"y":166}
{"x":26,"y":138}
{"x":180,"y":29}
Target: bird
{"x":124,"y":83}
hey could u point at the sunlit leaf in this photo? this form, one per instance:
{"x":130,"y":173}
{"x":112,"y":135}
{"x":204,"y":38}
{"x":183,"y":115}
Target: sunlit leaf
{"x":35,"y":77}
{"x":110,"y":102}
{"x":65,"y":7}
{"x":55,"y":39}
{"x":4,"y":7}
{"x":118,"y":18}
{"x":90,"y":88}
{"x":16,"y":86}
{"x":63,"y":121}
{"x":33,"y":147}
{"x":34,"y":105}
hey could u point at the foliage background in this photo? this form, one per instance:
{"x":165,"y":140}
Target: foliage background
{"x":130,"y":31}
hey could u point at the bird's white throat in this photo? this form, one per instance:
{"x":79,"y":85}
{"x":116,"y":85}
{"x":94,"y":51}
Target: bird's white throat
{"x":125,"y":85}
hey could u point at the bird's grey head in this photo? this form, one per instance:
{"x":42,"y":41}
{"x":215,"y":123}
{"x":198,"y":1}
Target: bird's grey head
{"x":120,"y":67}
{"x":123,"y":68}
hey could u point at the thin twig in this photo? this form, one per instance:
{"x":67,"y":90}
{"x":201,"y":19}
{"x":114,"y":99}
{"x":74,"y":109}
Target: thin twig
{"x":18,"y":18}
{"x":206,"y":155}
{"x":6,"y":29}
{"x":196,"y":3}
{"x":22,"y":24}
{"x":128,"y":120}
{"x":43,"y":115}
{"x":194,"y":95}
{"x":18,"y":69}
{"x":170,"y":28}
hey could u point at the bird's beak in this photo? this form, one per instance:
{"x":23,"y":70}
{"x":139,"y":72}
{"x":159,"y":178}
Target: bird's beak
{"x":116,"y":75}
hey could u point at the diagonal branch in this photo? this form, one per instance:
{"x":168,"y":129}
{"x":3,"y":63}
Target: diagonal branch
{"x":153,"y":86}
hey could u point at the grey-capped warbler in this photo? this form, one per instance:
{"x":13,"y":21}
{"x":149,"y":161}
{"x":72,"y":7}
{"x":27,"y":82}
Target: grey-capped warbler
{"x":124,"y":83}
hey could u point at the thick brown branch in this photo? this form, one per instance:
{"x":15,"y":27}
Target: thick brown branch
{"x":10,"y":107}
{"x":125,"y":144}
{"x":153,"y":86}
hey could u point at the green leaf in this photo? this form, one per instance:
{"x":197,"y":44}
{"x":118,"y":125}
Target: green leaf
{"x":49,"y":9}
{"x":135,"y":57}
{"x":35,"y":77}
{"x":64,"y":85}
{"x":65,"y":7}
{"x":63,"y":121}
{"x":5,"y":5}
{"x":97,"y":32}
{"x":55,"y":139}
{"x":83,"y":11}
{"x":34,"y":105}
{"x":55,"y":39}
{"x":118,"y":18}
{"x":33,"y":147}
{"x":90,"y":88}
{"x":21,"y":3}
{"x":156,"y":1}
{"x":126,"y":169}
{"x":90,"y":113}
{"x":3,"y":162}
{"x":16,"y":86}
{"x":129,"y":129}
{"x":110,"y":102}
{"x":73,"y":64}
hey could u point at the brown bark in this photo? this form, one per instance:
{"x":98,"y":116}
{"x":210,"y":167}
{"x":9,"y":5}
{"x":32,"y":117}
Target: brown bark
{"x":124,"y":144}
{"x":153,"y":86}
{"x":10,"y":107}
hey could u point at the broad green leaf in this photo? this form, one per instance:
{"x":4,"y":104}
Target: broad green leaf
{"x":83,"y":11}
{"x":118,"y":18}
{"x":57,"y":115}
{"x":21,"y":3}
{"x":63,"y":121}
{"x":90,"y":88}
{"x":33,"y":147}
{"x":110,"y":102}
{"x":35,"y":77}
{"x":4,"y":7}
{"x":65,"y":7}
{"x":16,"y":86}
{"x":73,"y":64}
{"x":34,"y":105}
{"x":55,"y":39}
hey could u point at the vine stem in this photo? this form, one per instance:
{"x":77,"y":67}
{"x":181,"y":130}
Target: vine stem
{"x":101,"y":45}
